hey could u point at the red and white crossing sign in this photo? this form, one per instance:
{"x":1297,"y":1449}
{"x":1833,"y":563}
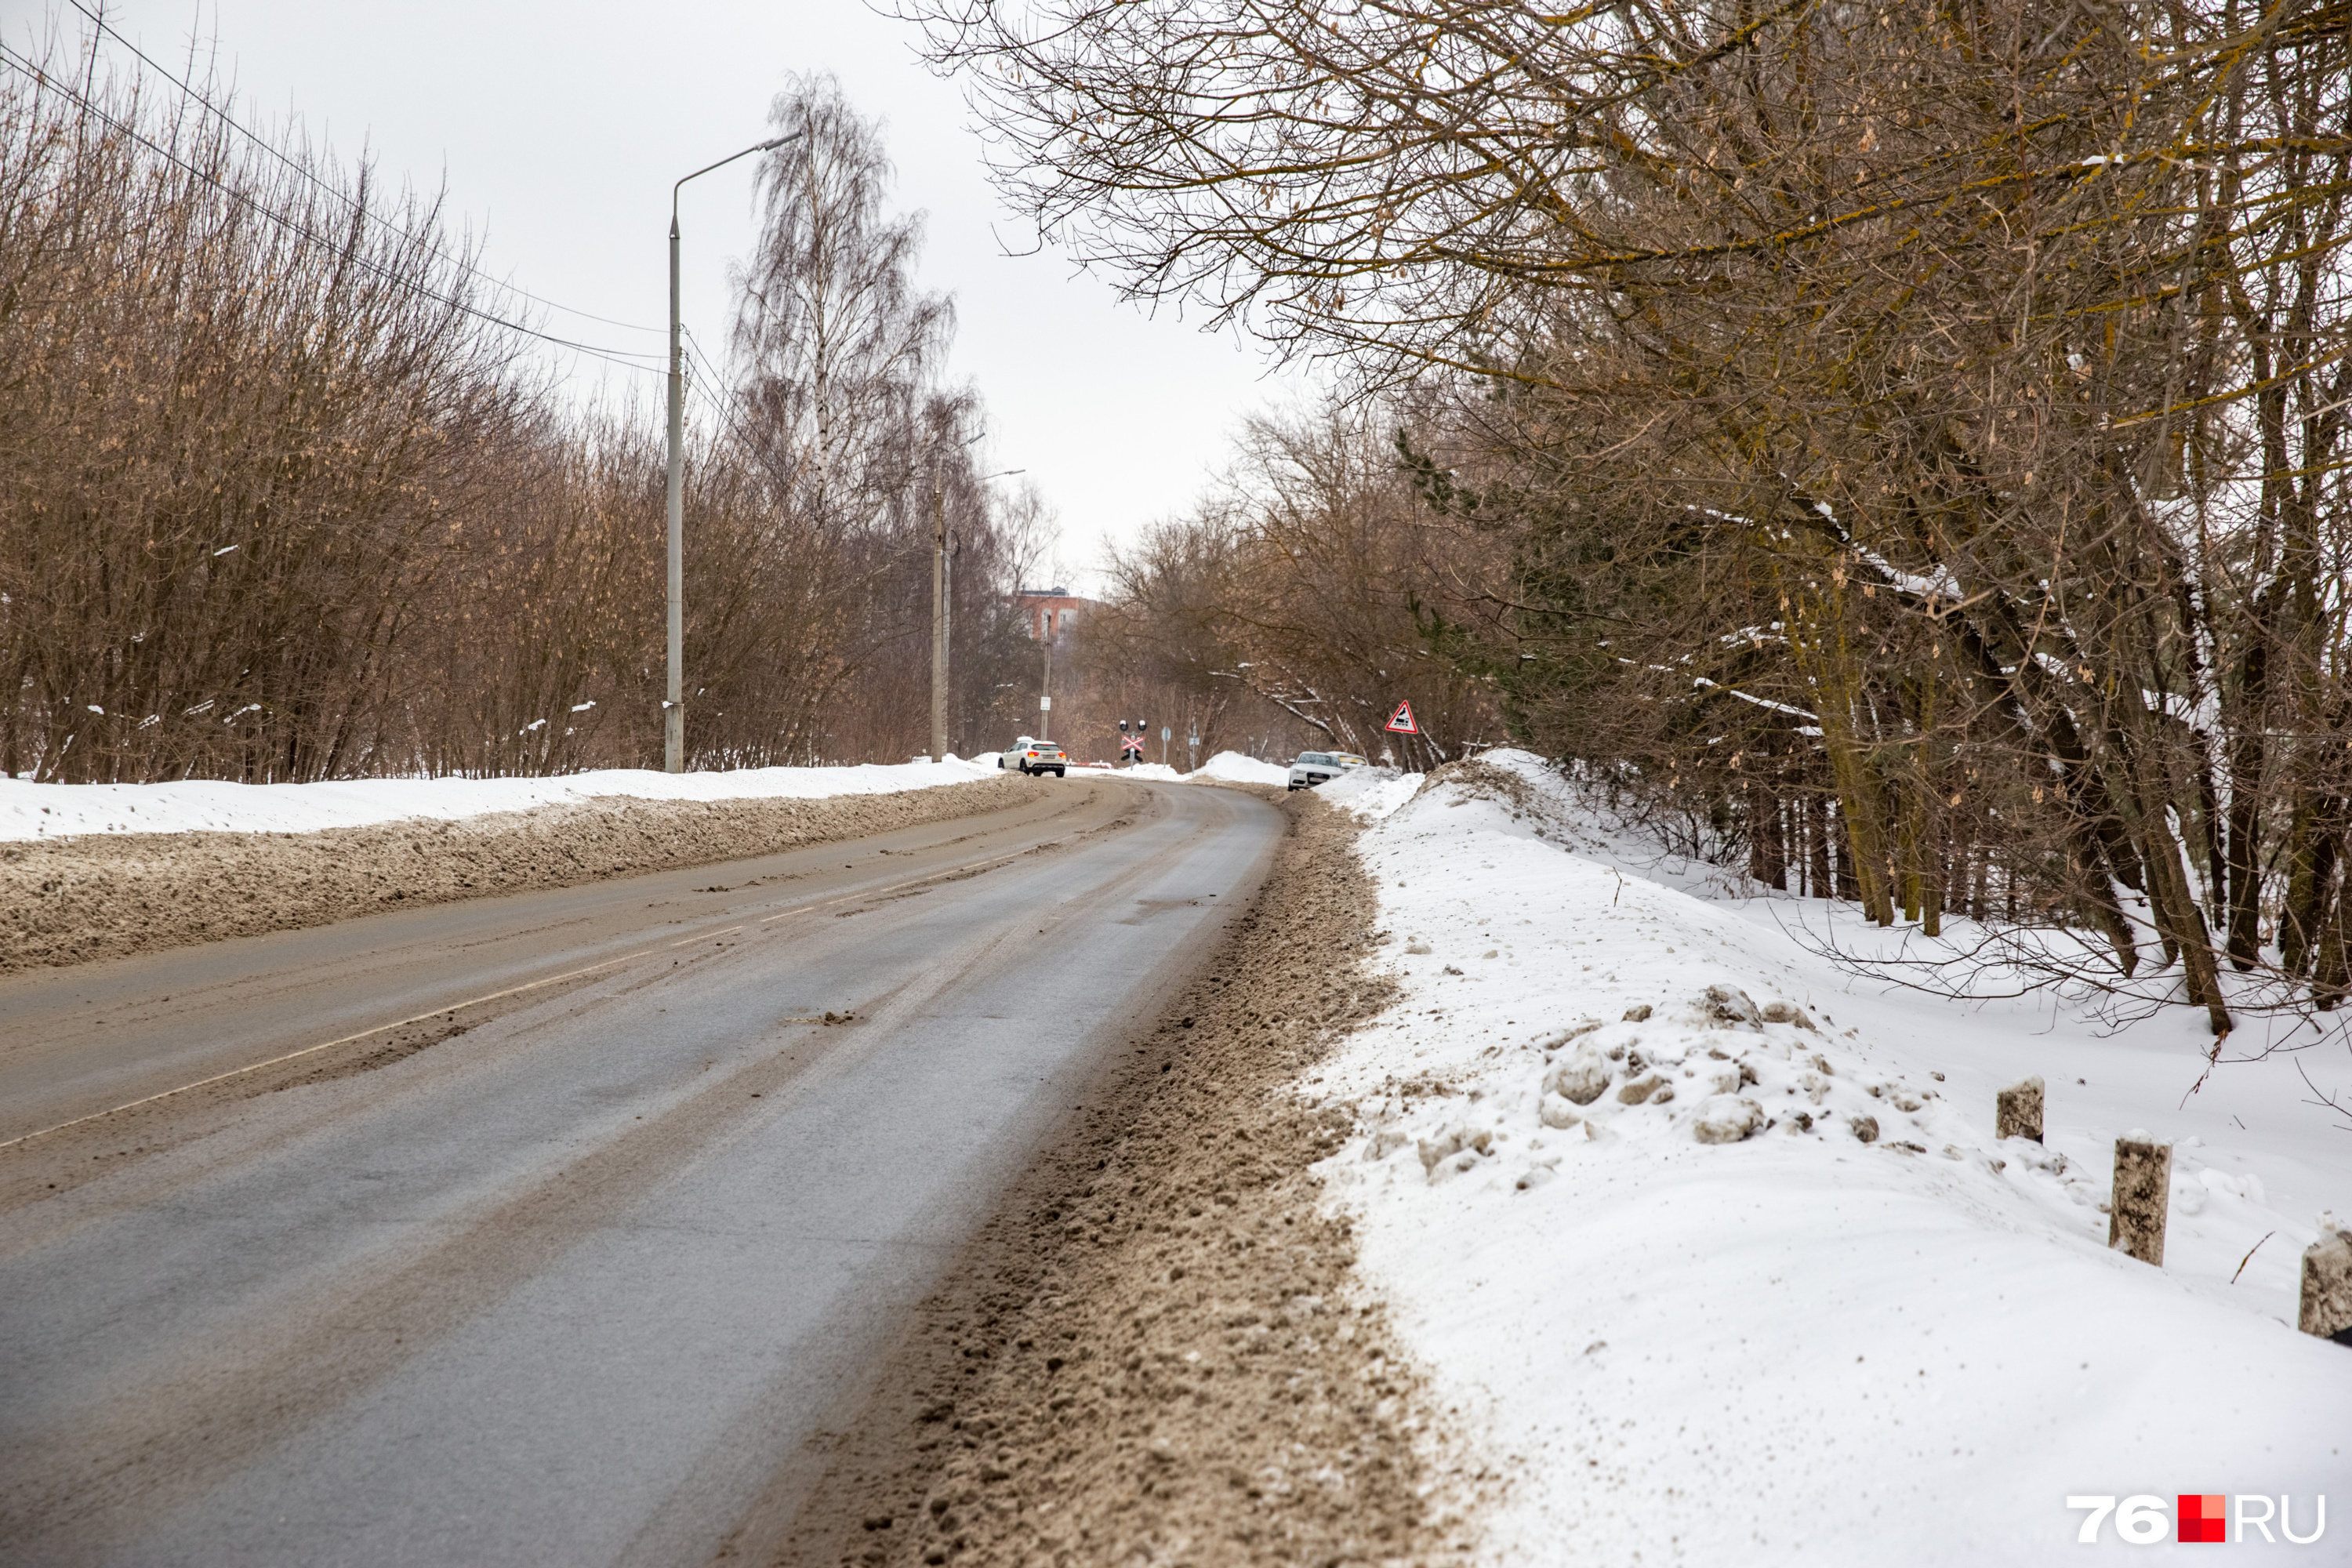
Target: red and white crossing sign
{"x":1402,"y":720}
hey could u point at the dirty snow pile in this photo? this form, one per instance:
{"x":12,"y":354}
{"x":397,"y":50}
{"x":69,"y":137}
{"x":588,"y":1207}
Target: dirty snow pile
{"x":1225,"y":767}
{"x":1711,"y":1255}
{"x":1232,"y":767}
{"x":29,"y":810}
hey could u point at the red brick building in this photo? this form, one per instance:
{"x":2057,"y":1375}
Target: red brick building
{"x":1051,"y":611}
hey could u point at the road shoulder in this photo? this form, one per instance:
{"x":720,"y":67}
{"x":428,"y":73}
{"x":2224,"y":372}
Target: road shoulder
{"x":1156,"y":1350}
{"x":98,"y":896}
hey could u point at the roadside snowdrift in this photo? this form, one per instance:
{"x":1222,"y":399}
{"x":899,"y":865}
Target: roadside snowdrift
{"x":38,"y":811}
{"x":1612,"y":1179}
{"x":88,"y":896}
{"x":1232,"y":767}
{"x":1225,"y":767}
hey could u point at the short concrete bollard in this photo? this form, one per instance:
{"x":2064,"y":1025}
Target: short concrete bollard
{"x":2143,"y":1194}
{"x":2327,"y":1287}
{"x":2017,"y":1110}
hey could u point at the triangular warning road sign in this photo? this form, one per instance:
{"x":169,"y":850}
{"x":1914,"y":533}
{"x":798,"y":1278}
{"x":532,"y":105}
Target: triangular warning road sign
{"x":1402,"y":720}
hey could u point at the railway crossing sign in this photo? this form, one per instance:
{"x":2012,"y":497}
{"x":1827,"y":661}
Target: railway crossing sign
{"x":1402,"y":721}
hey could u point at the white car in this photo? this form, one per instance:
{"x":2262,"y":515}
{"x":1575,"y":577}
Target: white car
{"x":1035,"y":757}
{"x":1313,"y":768}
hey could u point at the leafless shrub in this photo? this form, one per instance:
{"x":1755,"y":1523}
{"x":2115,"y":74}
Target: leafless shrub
{"x":281,"y":499}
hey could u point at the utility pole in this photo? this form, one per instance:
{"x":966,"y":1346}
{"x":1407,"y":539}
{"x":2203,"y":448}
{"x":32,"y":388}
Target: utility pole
{"x":939,"y":621}
{"x":940,"y":586}
{"x":1045,"y":691}
{"x":674,"y":703}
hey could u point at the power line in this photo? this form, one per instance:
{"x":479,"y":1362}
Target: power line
{"x":274,"y":151}
{"x":709,"y":384}
{"x":722,"y":404}
{"x":611,"y":356}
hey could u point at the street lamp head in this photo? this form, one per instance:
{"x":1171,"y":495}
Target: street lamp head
{"x":787,"y":136}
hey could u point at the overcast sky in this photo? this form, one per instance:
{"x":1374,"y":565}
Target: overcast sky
{"x":559,"y":128}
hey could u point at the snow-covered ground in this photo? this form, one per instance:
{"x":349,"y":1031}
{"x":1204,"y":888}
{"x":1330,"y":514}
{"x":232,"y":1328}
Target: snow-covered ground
{"x":29,"y":810}
{"x":1225,"y":767}
{"x":1680,"y":1344}
{"x":43,"y":811}
{"x":1232,"y":767}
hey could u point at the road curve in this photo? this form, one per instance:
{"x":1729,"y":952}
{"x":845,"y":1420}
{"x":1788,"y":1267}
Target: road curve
{"x":583,"y":1284}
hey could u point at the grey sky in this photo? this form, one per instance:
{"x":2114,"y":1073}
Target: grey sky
{"x":559,"y":129}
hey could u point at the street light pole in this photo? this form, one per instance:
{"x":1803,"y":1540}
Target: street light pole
{"x":674,"y":704}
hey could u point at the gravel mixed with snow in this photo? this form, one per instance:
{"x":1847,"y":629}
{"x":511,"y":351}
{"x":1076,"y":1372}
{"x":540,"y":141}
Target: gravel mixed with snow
{"x":1712,"y":1249}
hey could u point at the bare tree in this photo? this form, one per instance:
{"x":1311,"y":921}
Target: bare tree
{"x":279,"y":498}
{"x":1951,"y":404}
{"x":838,"y":345}
{"x":1309,"y":579}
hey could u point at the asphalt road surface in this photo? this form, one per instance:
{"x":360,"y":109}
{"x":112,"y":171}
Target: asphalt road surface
{"x":584,"y":1283}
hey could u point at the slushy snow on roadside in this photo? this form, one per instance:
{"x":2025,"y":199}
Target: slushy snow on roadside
{"x":40,"y":811}
{"x":1710,"y":1251}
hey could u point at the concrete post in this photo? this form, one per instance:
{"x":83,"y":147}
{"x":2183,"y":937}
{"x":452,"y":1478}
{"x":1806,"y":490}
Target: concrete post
{"x":2017,"y":1110}
{"x":939,"y":621}
{"x":2327,"y":1287}
{"x":1046,"y":692}
{"x":2142,"y":1197}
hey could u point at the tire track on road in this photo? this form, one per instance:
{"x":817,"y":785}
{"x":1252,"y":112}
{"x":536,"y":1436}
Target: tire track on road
{"x":178,"y":1421}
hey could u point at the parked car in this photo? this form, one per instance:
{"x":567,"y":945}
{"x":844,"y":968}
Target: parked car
{"x":1313,"y":768}
{"x":1035,"y":757}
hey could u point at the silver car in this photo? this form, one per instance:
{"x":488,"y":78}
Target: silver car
{"x":1313,"y":768}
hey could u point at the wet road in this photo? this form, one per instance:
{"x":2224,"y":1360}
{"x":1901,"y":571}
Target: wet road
{"x":583,"y":1284}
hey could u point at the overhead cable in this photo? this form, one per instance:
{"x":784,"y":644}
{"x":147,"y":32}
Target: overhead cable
{"x":312,"y":175}
{"x":621,"y":357}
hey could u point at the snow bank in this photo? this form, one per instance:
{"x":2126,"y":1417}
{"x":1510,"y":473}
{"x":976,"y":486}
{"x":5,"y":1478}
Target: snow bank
{"x":1232,"y":767}
{"x":29,"y":811}
{"x":1369,"y":793}
{"x":1714,"y":1252}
